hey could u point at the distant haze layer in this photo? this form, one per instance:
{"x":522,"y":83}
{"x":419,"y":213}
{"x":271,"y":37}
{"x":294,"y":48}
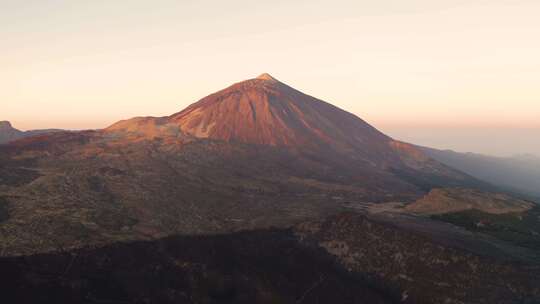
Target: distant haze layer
{"x":489,"y":141}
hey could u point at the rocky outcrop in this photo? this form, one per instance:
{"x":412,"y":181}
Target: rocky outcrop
{"x":8,"y":133}
{"x":447,"y":200}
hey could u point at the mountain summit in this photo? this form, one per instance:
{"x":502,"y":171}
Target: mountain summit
{"x":266,"y":76}
{"x":264,"y":111}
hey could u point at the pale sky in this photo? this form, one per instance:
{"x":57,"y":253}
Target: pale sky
{"x":428,"y":65}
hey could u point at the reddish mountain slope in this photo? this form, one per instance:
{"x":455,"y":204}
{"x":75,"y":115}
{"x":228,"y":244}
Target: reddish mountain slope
{"x":265,"y":111}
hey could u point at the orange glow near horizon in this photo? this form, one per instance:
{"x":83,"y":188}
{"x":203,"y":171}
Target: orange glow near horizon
{"x":396,"y":64}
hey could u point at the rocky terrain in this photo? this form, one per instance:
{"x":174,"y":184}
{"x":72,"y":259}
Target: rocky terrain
{"x":347,"y":258}
{"x":267,"y":266}
{"x":520,"y":228}
{"x":240,"y":198}
{"x":424,"y":270}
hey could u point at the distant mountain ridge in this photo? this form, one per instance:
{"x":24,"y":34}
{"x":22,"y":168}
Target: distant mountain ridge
{"x":8,"y":133}
{"x":519,"y":173}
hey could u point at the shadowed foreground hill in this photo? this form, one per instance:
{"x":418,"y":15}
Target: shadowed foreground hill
{"x":316,"y":262}
{"x":252,"y":267}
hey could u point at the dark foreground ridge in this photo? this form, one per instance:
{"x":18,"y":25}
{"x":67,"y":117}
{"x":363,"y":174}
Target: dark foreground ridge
{"x":253,"y":267}
{"x":345,"y":259}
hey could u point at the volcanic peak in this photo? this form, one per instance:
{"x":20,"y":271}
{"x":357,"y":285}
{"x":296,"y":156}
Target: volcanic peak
{"x":266,"y":76}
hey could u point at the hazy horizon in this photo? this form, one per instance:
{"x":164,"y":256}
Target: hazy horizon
{"x":506,"y":142}
{"x":461,"y":75}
